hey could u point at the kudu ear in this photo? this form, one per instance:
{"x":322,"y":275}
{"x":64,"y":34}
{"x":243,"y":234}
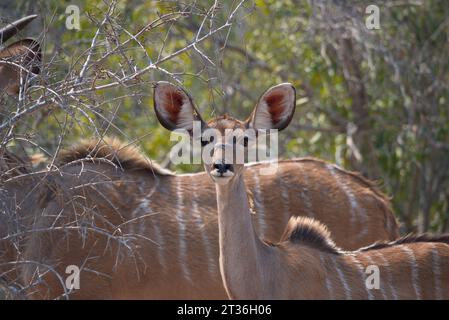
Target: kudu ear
{"x":275,"y":108}
{"x":174,"y":107}
{"x":19,"y":59}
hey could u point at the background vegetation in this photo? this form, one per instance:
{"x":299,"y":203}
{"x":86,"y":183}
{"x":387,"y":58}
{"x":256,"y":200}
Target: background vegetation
{"x":374,"y":101}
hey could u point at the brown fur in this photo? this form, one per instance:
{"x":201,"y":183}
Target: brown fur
{"x":12,"y":165}
{"x":25,"y":52}
{"x":372,"y":185}
{"x":385,"y":209}
{"x":125,"y":156}
{"x":19,"y":204}
{"x":224,"y":122}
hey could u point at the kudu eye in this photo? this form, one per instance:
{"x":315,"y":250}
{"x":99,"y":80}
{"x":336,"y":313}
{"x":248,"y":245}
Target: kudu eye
{"x":205,"y":142}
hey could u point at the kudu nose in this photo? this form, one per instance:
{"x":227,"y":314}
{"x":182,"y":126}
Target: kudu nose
{"x":221,"y":167}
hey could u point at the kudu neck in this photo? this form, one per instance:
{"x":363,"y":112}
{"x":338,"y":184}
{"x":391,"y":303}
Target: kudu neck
{"x":242,"y":253}
{"x":232,"y":200}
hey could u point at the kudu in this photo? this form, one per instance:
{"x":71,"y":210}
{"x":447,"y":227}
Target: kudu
{"x":306,"y":264}
{"x":18,"y":62}
{"x":136,"y":230}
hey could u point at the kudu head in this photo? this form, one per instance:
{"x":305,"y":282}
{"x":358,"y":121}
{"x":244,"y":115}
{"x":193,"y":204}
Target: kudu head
{"x":226,"y":138}
{"x":20,"y":59}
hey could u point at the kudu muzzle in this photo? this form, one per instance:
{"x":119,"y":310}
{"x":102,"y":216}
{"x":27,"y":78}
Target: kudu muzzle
{"x":222,"y":158}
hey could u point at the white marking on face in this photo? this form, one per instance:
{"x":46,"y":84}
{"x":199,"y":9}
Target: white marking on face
{"x":415,"y":271}
{"x":221,"y":178}
{"x":182,"y":231}
{"x":217,"y":174}
{"x":226,"y":174}
{"x":356,"y":209}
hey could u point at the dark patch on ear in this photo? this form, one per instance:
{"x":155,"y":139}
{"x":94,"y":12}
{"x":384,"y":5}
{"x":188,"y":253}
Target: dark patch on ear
{"x":275,"y":107}
{"x":277,"y":103}
{"x":173,"y":99}
{"x":174,"y":102}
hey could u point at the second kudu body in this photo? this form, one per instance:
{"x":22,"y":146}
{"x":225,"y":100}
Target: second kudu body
{"x":139,"y":231}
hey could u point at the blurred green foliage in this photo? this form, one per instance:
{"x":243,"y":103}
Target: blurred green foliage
{"x":400,"y":71}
